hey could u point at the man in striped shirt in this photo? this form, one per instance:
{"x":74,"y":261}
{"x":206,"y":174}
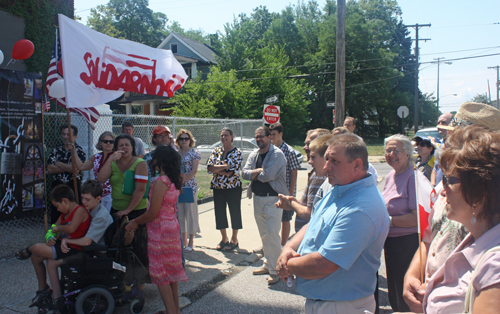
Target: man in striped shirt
{"x":292,"y":165}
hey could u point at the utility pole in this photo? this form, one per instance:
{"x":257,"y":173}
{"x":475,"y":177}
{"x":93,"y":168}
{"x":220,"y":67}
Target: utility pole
{"x":498,"y":84}
{"x":438,"y":62}
{"x":340,"y":65}
{"x":417,"y":26}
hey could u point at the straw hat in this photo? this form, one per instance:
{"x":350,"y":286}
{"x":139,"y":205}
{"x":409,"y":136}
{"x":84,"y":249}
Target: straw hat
{"x":475,"y":113}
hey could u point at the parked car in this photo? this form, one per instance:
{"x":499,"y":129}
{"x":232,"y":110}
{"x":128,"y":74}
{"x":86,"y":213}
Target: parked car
{"x":425,"y":133}
{"x":247,"y":145}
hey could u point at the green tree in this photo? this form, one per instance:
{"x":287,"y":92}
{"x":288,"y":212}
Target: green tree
{"x":129,"y":19}
{"x":196,"y":34}
{"x":221,"y":95}
{"x":481,"y":98}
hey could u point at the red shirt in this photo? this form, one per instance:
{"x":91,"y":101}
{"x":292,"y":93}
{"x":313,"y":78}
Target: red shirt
{"x":82,"y":229}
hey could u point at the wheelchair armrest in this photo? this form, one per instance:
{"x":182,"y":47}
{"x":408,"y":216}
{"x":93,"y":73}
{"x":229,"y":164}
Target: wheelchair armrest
{"x":95,"y":247}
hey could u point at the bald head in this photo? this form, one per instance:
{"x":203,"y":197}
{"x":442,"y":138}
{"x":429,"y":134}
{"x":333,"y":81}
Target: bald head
{"x":444,"y":119}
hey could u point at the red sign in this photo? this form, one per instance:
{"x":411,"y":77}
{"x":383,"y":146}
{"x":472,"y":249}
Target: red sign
{"x":271,"y":114}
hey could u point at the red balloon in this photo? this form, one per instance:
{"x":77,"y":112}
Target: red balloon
{"x":23,"y":49}
{"x":59,"y":68}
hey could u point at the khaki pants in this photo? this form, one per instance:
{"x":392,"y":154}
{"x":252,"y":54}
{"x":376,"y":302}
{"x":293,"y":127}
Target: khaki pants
{"x":268,"y":218}
{"x":358,"y":306}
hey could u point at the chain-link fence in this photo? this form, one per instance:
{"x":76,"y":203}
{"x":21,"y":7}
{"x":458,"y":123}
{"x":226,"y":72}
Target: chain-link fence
{"x":20,"y":233}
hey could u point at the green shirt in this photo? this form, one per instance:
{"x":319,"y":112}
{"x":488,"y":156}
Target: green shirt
{"x":120,"y":200}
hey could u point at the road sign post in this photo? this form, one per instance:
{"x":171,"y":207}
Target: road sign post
{"x":403,"y":113}
{"x":271,"y":114}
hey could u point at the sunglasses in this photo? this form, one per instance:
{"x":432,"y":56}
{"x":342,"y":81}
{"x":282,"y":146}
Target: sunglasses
{"x":447,"y":180}
{"x":184,"y":139}
{"x":424,"y":144}
{"x":108,"y":141}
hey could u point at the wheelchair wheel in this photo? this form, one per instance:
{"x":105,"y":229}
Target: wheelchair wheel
{"x":95,"y":300}
{"x":136,"y":306}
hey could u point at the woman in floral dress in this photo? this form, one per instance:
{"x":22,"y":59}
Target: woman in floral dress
{"x":164,"y":244}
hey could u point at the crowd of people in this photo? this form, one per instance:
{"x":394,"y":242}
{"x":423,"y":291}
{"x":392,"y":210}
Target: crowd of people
{"x":342,"y":222}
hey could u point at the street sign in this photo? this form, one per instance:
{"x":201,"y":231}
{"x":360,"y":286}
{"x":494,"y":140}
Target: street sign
{"x":271,"y":114}
{"x":330,"y":104}
{"x":272,"y":99}
{"x":403,"y":112}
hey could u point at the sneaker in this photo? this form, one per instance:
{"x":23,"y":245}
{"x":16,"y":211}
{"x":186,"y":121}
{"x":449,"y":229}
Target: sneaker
{"x":261,"y":271}
{"x":273,"y":279}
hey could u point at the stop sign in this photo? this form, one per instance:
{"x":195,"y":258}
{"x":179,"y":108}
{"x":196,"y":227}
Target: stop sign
{"x":271,"y":114}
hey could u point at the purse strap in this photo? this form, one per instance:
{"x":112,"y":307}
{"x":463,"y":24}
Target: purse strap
{"x":470,"y":296}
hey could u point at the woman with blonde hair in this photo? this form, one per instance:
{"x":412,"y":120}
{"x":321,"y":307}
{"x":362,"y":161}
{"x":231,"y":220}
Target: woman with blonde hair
{"x":188,"y":212}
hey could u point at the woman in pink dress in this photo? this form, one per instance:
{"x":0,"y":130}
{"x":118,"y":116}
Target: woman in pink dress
{"x":164,"y":245}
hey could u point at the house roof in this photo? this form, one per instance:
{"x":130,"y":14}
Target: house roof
{"x":203,"y":51}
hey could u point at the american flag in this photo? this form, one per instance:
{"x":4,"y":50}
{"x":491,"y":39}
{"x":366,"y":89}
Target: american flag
{"x":90,"y":114}
{"x":46,"y":105}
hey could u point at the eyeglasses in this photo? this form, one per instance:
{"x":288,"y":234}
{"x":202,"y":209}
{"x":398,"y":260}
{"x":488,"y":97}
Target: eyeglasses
{"x":184,"y":139}
{"x":447,"y":180}
{"x":258,"y":137}
{"x":159,"y":136}
{"x":108,"y":141}
{"x":395,"y":151}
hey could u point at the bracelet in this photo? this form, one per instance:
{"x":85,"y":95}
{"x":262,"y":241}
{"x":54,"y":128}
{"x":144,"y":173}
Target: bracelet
{"x":390,"y":218}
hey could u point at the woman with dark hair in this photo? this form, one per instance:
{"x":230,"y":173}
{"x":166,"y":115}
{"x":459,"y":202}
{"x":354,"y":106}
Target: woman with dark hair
{"x":425,"y":159}
{"x":165,"y":256}
{"x":105,"y":145}
{"x":225,"y":163}
{"x":469,"y":280}
{"x":115,"y":169}
{"x":188,"y":212}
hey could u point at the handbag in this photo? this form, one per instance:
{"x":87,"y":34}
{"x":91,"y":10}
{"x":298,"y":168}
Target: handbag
{"x":470,"y":296}
{"x":129,"y":184}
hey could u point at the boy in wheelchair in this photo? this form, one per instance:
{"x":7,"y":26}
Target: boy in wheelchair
{"x":95,"y":279}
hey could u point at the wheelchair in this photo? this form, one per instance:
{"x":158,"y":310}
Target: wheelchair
{"x":102,"y":277}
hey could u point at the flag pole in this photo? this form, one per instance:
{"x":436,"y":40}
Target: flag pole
{"x":418,"y":226}
{"x":45,"y":215}
{"x":73,"y":164}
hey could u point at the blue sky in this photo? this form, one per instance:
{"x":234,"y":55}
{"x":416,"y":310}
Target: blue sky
{"x":459,"y":29}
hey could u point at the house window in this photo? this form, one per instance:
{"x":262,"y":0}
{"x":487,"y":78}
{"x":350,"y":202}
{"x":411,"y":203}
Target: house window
{"x":173,"y":47}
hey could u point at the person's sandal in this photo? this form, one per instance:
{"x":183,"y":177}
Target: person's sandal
{"x":221,"y":245}
{"x":231,"y":246}
{"x":40,"y":296}
{"x":23,"y":254}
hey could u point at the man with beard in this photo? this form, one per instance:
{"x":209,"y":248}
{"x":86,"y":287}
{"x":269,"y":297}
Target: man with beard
{"x":266,"y":168}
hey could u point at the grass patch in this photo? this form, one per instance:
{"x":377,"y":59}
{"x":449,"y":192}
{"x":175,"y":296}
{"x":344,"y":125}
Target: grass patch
{"x":375,"y":146}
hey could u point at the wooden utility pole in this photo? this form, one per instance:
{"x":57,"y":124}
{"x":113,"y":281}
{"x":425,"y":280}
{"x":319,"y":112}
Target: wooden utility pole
{"x":498,"y":83}
{"x":417,"y":26}
{"x":340,"y":65}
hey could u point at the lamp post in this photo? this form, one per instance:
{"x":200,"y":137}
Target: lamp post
{"x":438,"y":62}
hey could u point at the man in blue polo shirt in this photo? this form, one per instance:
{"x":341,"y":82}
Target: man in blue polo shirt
{"x":336,"y":256}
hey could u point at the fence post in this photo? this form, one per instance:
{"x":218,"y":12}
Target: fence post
{"x":173,"y":126}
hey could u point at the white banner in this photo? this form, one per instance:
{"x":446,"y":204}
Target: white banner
{"x":98,"y":68}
